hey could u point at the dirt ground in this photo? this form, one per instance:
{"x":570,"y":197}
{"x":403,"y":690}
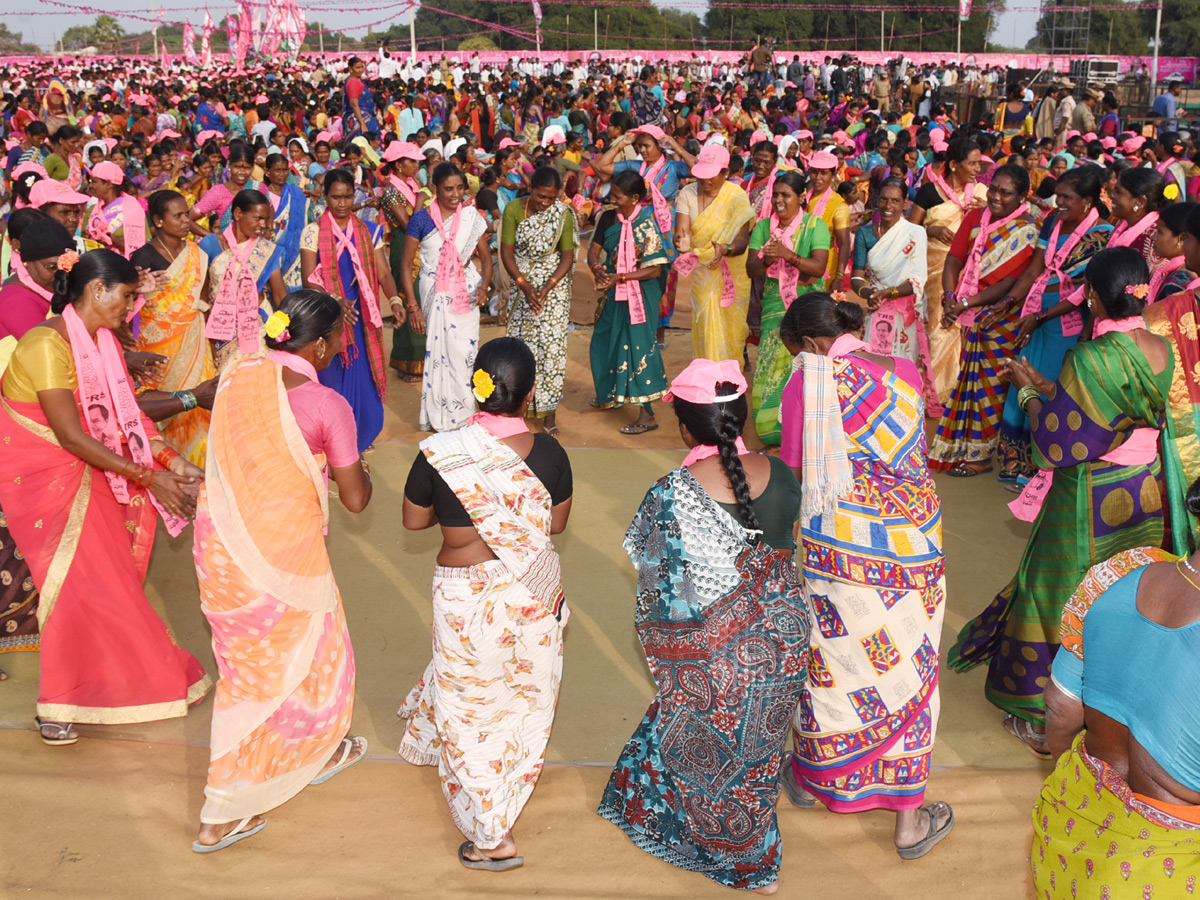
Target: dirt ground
{"x":114,"y":815}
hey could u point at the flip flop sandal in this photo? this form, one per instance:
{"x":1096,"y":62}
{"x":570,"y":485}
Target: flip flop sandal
{"x":638,"y":429}
{"x":796,"y":793}
{"x":552,"y":431}
{"x":348,"y":746}
{"x":232,"y":838}
{"x":935,"y":835}
{"x":1023,"y":732}
{"x":966,"y":470}
{"x":488,"y":865}
{"x":62,"y":734}
{"x":595,"y":403}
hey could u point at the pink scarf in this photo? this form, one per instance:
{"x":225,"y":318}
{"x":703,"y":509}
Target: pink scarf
{"x":234,"y":311}
{"x":1072,"y":323}
{"x":26,"y":279}
{"x":297,"y":364}
{"x":499,"y":427}
{"x":784,"y":272}
{"x":103,"y":381}
{"x":765,"y":207}
{"x":818,"y":208}
{"x":631,"y":291}
{"x":1124,"y":235}
{"x":406,"y":189}
{"x":133,"y":221}
{"x":1121,"y":326}
{"x":1163,"y":166}
{"x":451,"y":276}
{"x":662,"y":209}
{"x":704,"y":451}
{"x":961,"y":202}
{"x":344,"y":240}
{"x":1168,"y":268}
{"x":968,"y":280}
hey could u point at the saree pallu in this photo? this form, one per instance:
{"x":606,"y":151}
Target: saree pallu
{"x":773,"y":363}
{"x":1175,"y":319}
{"x":106,"y":657}
{"x":291,"y":215}
{"x":1095,"y":839}
{"x":537,"y":254}
{"x":172,"y":324}
{"x":483,"y":709}
{"x":719,"y":332}
{"x":945,"y":344}
{"x":1094,"y":510}
{"x":626,"y":361}
{"x":18,"y":596}
{"x":1045,"y":352}
{"x":754,"y":312}
{"x":285,"y":695}
{"x":835,"y":215}
{"x":724,"y":628}
{"x":874,"y":580}
{"x":451,"y":338}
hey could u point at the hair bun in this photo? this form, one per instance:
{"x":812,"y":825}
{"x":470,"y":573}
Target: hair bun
{"x":1192,"y":499}
{"x":849,"y":315}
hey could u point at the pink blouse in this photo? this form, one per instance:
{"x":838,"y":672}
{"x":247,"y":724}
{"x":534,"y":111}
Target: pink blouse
{"x":326,"y":421}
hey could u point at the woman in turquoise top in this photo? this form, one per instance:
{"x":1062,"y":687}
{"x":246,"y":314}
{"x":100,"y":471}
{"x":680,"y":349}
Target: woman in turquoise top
{"x":1123,"y":804}
{"x":799,"y":264}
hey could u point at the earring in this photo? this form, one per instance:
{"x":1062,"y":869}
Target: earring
{"x":321,"y":349}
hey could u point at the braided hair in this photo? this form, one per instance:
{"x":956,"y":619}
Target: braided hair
{"x":720,"y":425}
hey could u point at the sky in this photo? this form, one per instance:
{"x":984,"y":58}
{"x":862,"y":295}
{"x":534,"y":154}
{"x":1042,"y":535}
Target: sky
{"x":1013,"y":28}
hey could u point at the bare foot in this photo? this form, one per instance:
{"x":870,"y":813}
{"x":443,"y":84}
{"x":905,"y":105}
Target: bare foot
{"x":505,"y":849}
{"x":767,"y":888}
{"x":212,"y":834}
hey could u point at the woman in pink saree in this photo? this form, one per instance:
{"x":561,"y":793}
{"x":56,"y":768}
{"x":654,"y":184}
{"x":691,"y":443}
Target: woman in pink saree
{"x":285,"y":697}
{"x":84,"y":477}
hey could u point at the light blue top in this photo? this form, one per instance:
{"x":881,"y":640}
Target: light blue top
{"x":1141,"y":674}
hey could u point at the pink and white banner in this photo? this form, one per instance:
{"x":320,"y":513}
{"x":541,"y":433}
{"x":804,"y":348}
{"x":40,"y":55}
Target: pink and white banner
{"x":964,"y":9}
{"x":189,"y":45}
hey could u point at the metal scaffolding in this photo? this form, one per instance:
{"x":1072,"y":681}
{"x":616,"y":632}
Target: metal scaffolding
{"x":1066,"y":25}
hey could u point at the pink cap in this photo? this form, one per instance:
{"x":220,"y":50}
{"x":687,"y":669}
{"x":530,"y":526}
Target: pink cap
{"x":107,"y":171}
{"x":712,"y":159}
{"x":203,"y":137}
{"x":823,"y":160}
{"x":111,"y":144}
{"x":803,"y":134}
{"x":790,"y":84}
{"x":554,"y":134}
{"x":940,"y":146}
{"x":168,"y":133}
{"x":505,"y":143}
{"x":758,"y":136}
{"x":50,"y":191}
{"x":402,"y":150}
{"x":698,"y":382}
{"x":1133,"y":144}
{"x":1108,"y":143}
{"x":1072,"y":134}
{"x":1090,"y":136}
{"x":261,"y":98}
{"x":653,"y":130}
{"x":702,"y":135}
{"x":29,"y":166}
{"x":175,"y":98}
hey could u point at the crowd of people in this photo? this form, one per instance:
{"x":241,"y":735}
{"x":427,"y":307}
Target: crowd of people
{"x":200,"y":274}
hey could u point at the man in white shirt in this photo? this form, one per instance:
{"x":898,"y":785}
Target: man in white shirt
{"x":1064,"y":111}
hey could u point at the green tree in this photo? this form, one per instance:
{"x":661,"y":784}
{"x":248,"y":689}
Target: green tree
{"x":10,"y":42}
{"x":101,"y":34}
{"x":477,"y":44}
{"x":1180,"y":27}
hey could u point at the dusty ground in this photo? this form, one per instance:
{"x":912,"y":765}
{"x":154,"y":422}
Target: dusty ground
{"x":114,"y":816}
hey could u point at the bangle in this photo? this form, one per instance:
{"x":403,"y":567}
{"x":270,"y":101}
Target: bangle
{"x":520,"y":281}
{"x":165,"y":456}
{"x":396,"y":301}
{"x":949,"y":295}
{"x":187,"y":398}
{"x":1027,"y":394}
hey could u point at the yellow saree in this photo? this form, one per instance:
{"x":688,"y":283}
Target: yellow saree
{"x":173,"y":325}
{"x":718,"y":332}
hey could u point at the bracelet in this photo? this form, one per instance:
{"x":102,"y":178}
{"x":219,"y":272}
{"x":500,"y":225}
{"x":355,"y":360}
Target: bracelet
{"x":1027,"y":394}
{"x":520,"y":281}
{"x":395,"y":301}
{"x":949,"y":295}
{"x":165,"y":456}
{"x":187,"y":398}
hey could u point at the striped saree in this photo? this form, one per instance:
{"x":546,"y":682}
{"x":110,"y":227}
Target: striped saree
{"x":286,"y":691}
{"x":1094,"y":509}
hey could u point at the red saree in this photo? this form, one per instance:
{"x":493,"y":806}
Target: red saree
{"x":107,"y":658}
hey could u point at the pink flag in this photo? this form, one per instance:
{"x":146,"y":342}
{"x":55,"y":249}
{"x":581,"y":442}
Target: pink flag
{"x":964,"y":9}
{"x":537,"y":12}
{"x":245,"y":31}
{"x":206,"y":39}
{"x":189,"y":45}
{"x":165,"y":62}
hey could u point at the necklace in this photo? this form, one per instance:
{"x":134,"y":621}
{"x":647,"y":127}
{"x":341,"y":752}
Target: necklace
{"x":1187,"y":562}
{"x":1184,"y":574}
{"x":170,"y":256}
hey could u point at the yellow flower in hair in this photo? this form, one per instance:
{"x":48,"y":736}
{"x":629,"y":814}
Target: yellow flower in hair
{"x":482,"y":385}
{"x":277,"y":324}
{"x":1171,"y":191}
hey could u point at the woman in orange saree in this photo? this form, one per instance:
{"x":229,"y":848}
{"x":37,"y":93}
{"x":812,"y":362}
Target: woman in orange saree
{"x":172,"y":321}
{"x":285,"y":697}
{"x":84,"y":513}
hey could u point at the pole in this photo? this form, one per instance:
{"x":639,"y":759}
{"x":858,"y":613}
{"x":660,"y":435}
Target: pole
{"x":881,"y":50}
{"x":568,"y":33}
{"x":629,"y":36}
{"x":607,"y":22}
{"x":1157,"y":42}
{"x":412,"y":33}
{"x":596,"y":30}
{"x":921,"y":34}
{"x":321,"y":38}
{"x":826,"y":32}
{"x":1111,"y":19}
{"x":958,"y":51}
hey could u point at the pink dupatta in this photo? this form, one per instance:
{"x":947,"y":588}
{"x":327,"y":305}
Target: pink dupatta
{"x":103,"y":381}
{"x":786,"y":274}
{"x":629,"y":291}
{"x":26,"y":279}
{"x":662,"y":209}
{"x":1056,"y":258}
{"x":234,"y":310}
{"x":968,"y":280}
{"x":406,"y":189}
{"x":1168,"y":268}
{"x":451,"y":276}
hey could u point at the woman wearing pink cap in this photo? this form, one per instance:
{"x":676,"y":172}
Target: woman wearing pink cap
{"x":826,"y":204}
{"x":874,"y":576}
{"x":117,"y":220}
{"x":402,"y":196}
{"x":713,"y":544}
{"x":712,"y":221}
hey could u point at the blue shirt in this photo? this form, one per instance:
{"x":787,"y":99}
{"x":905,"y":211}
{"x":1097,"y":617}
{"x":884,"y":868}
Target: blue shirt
{"x":1165,"y":106}
{"x":668,"y":178}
